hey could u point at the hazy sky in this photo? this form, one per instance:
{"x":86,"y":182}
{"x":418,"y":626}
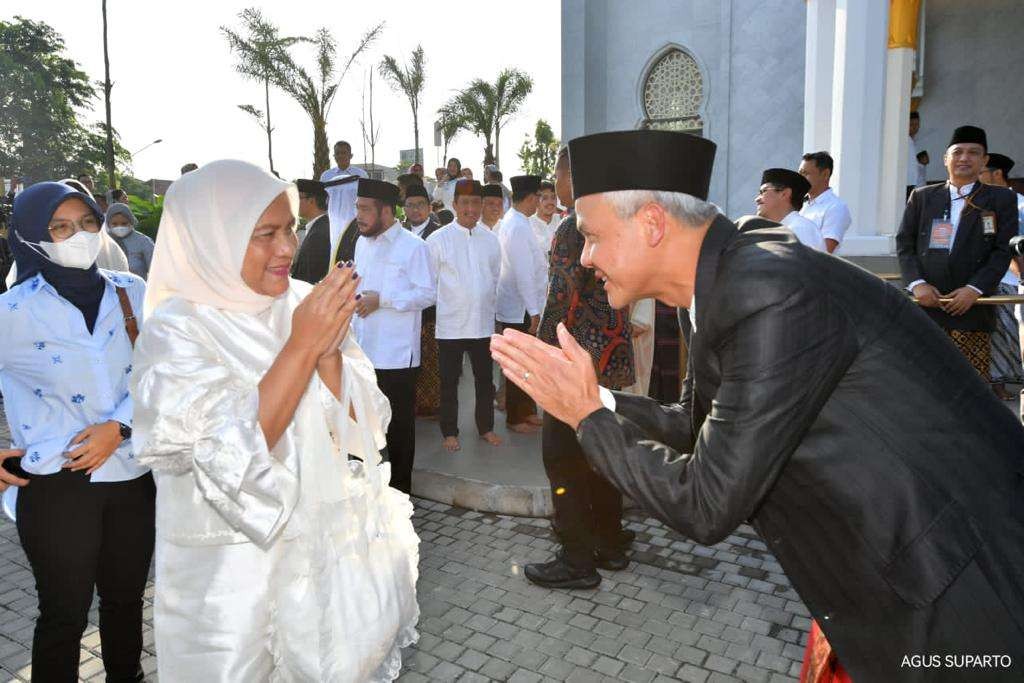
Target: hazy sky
{"x":174,"y":77}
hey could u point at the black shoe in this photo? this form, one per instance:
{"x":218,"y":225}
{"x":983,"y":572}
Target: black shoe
{"x":612,"y":560}
{"x":558,"y":573}
{"x":626,"y":538}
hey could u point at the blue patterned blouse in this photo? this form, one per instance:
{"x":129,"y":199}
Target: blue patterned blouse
{"x":57,"y":379}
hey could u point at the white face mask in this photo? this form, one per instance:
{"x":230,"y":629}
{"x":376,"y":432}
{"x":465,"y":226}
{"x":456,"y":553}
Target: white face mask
{"x":120,"y":230}
{"x":78,"y":251}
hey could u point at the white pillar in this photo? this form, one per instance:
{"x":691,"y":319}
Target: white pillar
{"x":861,"y":45}
{"x":899,"y":70}
{"x":818,"y":65}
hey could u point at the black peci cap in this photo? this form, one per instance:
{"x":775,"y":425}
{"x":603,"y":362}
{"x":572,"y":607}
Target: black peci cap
{"x":525,"y":184}
{"x":657,"y":160}
{"x":378,"y":189}
{"x":968,"y":134}
{"x":787,"y":178}
{"x":313,"y":187}
{"x":1002,"y":162}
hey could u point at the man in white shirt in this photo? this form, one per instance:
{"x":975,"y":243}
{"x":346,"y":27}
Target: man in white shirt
{"x":779,"y":199}
{"x":342,"y":204}
{"x":917,"y":161}
{"x":493,"y":206}
{"x":397,"y":284}
{"x":521,"y":288}
{"x":545,"y":222}
{"x":823,"y":206}
{"x":466,"y":258}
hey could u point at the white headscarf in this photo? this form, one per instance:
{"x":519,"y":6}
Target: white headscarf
{"x":208,"y":219}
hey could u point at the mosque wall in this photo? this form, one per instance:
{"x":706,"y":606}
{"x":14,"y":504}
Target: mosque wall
{"x":973,"y":60}
{"x":750,"y":55}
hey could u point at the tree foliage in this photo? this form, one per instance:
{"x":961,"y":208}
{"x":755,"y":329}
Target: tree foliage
{"x":313,"y":90}
{"x":409,"y":81}
{"x":256,"y":52}
{"x":483,"y":108}
{"x":538,"y":155}
{"x":42,"y":101}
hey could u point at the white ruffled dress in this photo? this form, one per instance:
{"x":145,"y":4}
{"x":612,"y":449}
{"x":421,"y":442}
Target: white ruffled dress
{"x":297,"y":563}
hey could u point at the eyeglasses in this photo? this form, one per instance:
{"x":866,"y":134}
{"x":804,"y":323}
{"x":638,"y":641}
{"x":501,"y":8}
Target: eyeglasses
{"x":62,"y":229}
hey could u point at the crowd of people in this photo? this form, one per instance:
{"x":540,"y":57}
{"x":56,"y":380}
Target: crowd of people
{"x":242,"y":397}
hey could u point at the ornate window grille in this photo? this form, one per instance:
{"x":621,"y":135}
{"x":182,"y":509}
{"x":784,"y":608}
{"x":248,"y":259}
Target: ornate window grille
{"x":673,"y":94}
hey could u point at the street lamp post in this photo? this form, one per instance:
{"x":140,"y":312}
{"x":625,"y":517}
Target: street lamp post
{"x":158,"y":140}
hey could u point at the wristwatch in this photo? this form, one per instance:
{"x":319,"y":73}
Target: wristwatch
{"x":126,"y":431}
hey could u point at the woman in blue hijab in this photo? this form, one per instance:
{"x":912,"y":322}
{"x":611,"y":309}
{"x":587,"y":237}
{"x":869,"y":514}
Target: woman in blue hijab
{"x":83,"y":505}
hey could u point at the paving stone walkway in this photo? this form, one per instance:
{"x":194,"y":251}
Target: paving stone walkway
{"x":680,"y":612}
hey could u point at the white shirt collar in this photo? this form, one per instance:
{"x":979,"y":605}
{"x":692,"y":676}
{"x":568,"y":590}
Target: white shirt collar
{"x":389,"y":234}
{"x":417,"y":229}
{"x":954,"y":193}
{"x":821,"y":197}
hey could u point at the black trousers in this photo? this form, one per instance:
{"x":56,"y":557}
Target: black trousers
{"x":450,"y":354}
{"x":400,"y":388}
{"x":588,"y":509}
{"x":79,"y":535}
{"x":518,"y":404}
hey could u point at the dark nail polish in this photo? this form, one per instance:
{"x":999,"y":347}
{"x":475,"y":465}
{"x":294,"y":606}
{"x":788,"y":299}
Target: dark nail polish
{"x":358,"y":297}
{"x":354,"y":275}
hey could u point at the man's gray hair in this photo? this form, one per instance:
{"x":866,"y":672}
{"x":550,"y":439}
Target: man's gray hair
{"x":684,"y":208}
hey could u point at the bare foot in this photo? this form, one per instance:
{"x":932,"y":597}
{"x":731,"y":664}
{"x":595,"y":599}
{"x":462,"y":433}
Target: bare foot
{"x":524,"y":428}
{"x":491,"y":438}
{"x":535,"y":420}
{"x":451,"y":444}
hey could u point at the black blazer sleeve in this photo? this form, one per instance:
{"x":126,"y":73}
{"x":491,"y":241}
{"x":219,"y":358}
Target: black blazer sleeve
{"x":987,"y":277}
{"x":779,"y":366}
{"x":906,"y":239}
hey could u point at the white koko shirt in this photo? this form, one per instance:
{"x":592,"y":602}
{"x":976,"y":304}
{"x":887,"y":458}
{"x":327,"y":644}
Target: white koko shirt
{"x":523,"y":281}
{"x":805,"y":231}
{"x":467,"y":262}
{"x":396,"y":265}
{"x":829,"y":213}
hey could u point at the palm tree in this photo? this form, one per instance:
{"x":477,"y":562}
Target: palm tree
{"x":511,"y":90}
{"x":483,"y":108}
{"x":256,"y":53}
{"x":450,"y":126}
{"x":409,"y":81}
{"x":315,"y":93}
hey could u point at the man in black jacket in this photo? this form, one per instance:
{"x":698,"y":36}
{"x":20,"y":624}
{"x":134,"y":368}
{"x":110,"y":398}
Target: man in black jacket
{"x":952,"y":246}
{"x":820,"y":404}
{"x":311,"y":261}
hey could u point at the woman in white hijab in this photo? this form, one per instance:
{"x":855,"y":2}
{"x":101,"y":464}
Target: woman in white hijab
{"x":278,"y":556}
